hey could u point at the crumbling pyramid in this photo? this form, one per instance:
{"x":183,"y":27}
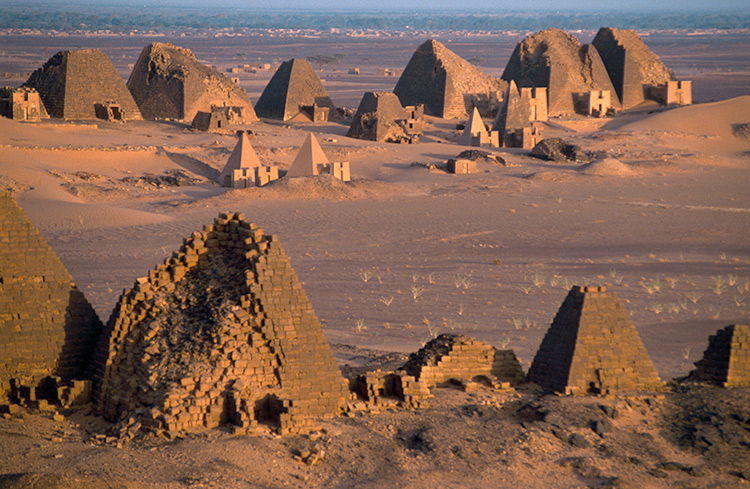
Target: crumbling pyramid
{"x":47,"y":327}
{"x":727,"y":359}
{"x":631,"y":65}
{"x":592,"y":347}
{"x":380,"y":117}
{"x":309,"y":159}
{"x":445,"y":83}
{"x":295,"y":92}
{"x":73,"y":83}
{"x":221,"y":333}
{"x":168,"y":82}
{"x":556,"y":60}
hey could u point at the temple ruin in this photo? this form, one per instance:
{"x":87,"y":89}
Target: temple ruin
{"x":244,"y":169}
{"x":295,"y":93}
{"x":593,"y":347}
{"x":221,"y":333}
{"x":380,"y":117}
{"x":726,"y":361}
{"x":21,"y":104}
{"x":220,"y":118}
{"x":168,"y":82}
{"x":311,"y":160}
{"x":595,"y":103}
{"x":672,"y":92}
{"x":447,"y":85}
{"x":72,"y":84}
{"x":517,"y":122}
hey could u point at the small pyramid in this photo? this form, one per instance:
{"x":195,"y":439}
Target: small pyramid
{"x":474,"y":128}
{"x":168,"y":82}
{"x":513,"y":114}
{"x":380,"y":117}
{"x":308,"y":158}
{"x":726,"y":361}
{"x":630,"y":63}
{"x":72,"y":84}
{"x":592,"y":347}
{"x":243,"y":156}
{"x":220,"y":333}
{"x":47,"y":327}
{"x":294,"y":88}
{"x":443,"y":81}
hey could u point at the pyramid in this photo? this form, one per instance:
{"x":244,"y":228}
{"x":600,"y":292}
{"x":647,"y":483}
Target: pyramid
{"x":630,"y":63}
{"x":380,"y":117}
{"x":168,"y":82}
{"x":443,"y":81}
{"x":293,"y":89}
{"x":47,"y":327}
{"x":72,"y":84}
{"x":220,"y":333}
{"x":727,"y":359}
{"x":243,"y":156}
{"x":592,"y":347}
{"x":513,"y":113}
{"x":308,"y":158}
{"x":556,"y":60}
{"x":474,"y":129}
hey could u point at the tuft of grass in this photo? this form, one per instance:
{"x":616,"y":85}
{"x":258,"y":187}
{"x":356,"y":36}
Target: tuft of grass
{"x":463,"y":281}
{"x":497,"y":261}
{"x":416,"y":291}
{"x":460,"y":310}
{"x":671,"y":281}
{"x":693,"y":297}
{"x":387,"y":301}
{"x":656,"y":308}
{"x":538,"y":279}
{"x":365,"y":275}
{"x":719,"y":284}
{"x":359,"y":325}
{"x":651,"y":286}
{"x":732,"y":280}
{"x":526,"y":290}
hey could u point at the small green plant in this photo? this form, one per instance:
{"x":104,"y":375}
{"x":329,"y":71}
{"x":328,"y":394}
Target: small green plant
{"x":656,"y":308}
{"x":387,"y":301}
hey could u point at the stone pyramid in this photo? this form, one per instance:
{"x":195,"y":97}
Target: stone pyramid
{"x":630,"y":63}
{"x":47,"y":327}
{"x":592,"y":347}
{"x":474,"y":128}
{"x":379,"y":117}
{"x":513,"y":113}
{"x":168,"y":82}
{"x":727,"y":359}
{"x":443,"y":81}
{"x":293,"y":87}
{"x":556,"y":60}
{"x":243,"y":156}
{"x":220,"y":333}
{"x":72,"y":83}
{"x":308,"y":158}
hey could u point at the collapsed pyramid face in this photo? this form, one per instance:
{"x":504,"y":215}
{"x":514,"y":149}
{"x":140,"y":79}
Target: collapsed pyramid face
{"x":556,"y":60}
{"x":72,"y":84}
{"x":168,"y":82}
{"x":630,"y":63}
{"x":377,"y":118}
{"x":222,"y":332}
{"x":450,"y":356}
{"x":293,"y":87}
{"x":46,"y":324}
{"x":726,"y":361}
{"x":443,"y":81}
{"x":592,"y":347}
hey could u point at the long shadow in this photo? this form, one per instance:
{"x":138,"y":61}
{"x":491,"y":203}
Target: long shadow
{"x":82,"y":331}
{"x":194,"y":165}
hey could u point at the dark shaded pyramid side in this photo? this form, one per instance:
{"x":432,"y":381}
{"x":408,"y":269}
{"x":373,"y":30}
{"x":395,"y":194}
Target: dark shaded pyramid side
{"x":46,"y":324}
{"x":294,"y":85}
{"x":513,"y":114}
{"x":592,"y":347}
{"x":726,"y":361}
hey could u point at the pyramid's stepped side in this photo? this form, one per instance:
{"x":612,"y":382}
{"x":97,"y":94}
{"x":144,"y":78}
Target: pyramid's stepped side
{"x":168,"y":82}
{"x":443,"y":81}
{"x":726,"y":361}
{"x":71,"y":83}
{"x":630,"y":63}
{"x":222,"y":332}
{"x":46,"y":325}
{"x":592,"y":346}
{"x":294,"y":85}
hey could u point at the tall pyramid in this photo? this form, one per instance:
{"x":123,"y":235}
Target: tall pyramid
{"x":220,"y":333}
{"x":554,"y":59}
{"x":308,"y":159}
{"x":168,"y":82}
{"x":47,"y":327}
{"x":513,"y":113}
{"x":727,"y":359}
{"x":592,"y":347}
{"x":72,"y":83}
{"x":243,"y":156}
{"x":630,"y":63}
{"x":293,"y":89}
{"x":444,"y":82}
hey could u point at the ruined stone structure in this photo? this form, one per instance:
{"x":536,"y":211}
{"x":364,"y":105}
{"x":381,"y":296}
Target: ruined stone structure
{"x":168,"y":82}
{"x":516,"y":121}
{"x":592,"y":347}
{"x":448,"y":357}
{"x":311,"y":160}
{"x":535,"y":98}
{"x":596,"y":103}
{"x":380,"y":117}
{"x":72,"y":83}
{"x":461,"y":166}
{"x":631,"y":65}
{"x":220,"y":333}
{"x":386,"y":389}
{"x":476,"y":133}
{"x":726,"y":361}
{"x":110,"y":111}
{"x":21,"y":104}
{"x":221,"y":117}
{"x":295,"y":93}
{"x":672,"y":93}
{"x":244,"y":169}
{"x":47,"y":327}
{"x":556,"y":60}
{"x":446,"y":84}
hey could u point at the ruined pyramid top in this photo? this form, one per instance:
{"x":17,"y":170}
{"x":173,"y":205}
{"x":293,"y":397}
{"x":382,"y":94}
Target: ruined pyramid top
{"x":72,"y":83}
{"x":592,"y":347}
{"x":377,"y":117}
{"x":168,"y":82}
{"x":294,"y":85}
{"x":243,"y":156}
{"x":441,"y":80}
{"x":726,"y":361}
{"x":309,"y":156}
